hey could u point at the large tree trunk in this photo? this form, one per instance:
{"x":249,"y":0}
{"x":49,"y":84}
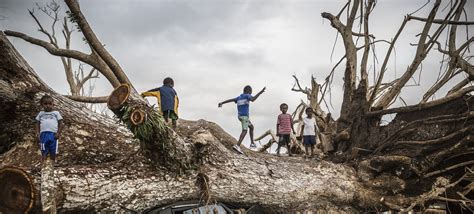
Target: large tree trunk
{"x":102,"y":167}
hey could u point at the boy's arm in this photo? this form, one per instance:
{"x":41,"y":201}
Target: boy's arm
{"x":258,"y":94}
{"x":150,"y":93}
{"x":60,"y":129}
{"x":37,"y":129}
{"x":226,"y":101}
{"x":301,"y":131}
{"x":316,"y":128}
{"x":278,"y":133}
{"x":292,"y":128}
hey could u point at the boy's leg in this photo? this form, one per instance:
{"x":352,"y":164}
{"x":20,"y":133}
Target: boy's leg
{"x":166,"y":115}
{"x":251,"y":133}
{"x":174,"y":117}
{"x":280,"y":141}
{"x":287,"y":142}
{"x":52,"y":148}
{"x":244,"y":121}
{"x":313,"y":143}
{"x":306,"y":151}
{"x":44,"y":151}
{"x":173,"y":124}
{"x":241,"y":138}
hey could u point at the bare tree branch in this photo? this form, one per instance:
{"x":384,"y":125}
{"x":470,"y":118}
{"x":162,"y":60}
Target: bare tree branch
{"x":89,"y":59}
{"x":297,"y":87}
{"x":440,"y":21}
{"x":88,"y":99}
{"x":351,"y":56}
{"x":421,"y":106}
{"x":385,"y":62}
{"x":458,"y":86}
{"x":95,"y":43}
{"x":420,"y":54}
{"x":365,"y":55}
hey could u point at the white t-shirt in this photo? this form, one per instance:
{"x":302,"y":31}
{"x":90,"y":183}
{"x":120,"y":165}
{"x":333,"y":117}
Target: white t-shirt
{"x":49,"y":121}
{"x":309,"y":124}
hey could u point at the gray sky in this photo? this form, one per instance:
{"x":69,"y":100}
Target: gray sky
{"x":213,"y":48}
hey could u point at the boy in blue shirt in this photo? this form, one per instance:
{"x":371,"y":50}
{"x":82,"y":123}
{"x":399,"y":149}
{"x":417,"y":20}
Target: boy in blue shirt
{"x":242,"y":102}
{"x":48,"y":128}
{"x":167,"y":100}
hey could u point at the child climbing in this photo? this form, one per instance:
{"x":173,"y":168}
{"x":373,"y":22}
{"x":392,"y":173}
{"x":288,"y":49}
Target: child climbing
{"x":167,"y":99}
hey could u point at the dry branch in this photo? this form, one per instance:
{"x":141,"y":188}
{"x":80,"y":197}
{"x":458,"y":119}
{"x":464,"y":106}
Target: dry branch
{"x":84,"y":99}
{"x":426,"y":105}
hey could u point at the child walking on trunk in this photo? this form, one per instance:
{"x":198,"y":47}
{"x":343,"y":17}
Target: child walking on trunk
{"x":242,"y":102}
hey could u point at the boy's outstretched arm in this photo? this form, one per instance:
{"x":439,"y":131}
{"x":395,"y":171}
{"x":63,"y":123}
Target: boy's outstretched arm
{"x":258,"y":94}
{"x":226,"y":101}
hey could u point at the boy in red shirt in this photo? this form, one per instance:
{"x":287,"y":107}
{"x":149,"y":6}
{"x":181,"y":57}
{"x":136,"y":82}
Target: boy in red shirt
{"x":284,"y":128}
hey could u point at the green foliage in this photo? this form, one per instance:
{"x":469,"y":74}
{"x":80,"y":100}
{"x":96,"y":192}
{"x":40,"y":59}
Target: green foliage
{"x":153,"y":126}
{"x":156,"y":137}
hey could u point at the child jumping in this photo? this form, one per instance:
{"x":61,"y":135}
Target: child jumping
{"x":48,"y":128}
{"x":167,"y":100}
{"x":309,"y":131}
{"x":284,"y":128}
{"x":242,"y":102}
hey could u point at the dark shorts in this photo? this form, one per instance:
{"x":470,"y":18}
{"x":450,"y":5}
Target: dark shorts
{"x":170,"y":114}
{"x":309,"y":140}
{"x":48,"y":143}
{"x":284,"y":139}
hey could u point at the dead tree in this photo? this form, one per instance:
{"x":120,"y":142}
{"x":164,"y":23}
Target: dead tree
{"x":78,"y":78}
{"x":424,"y":155}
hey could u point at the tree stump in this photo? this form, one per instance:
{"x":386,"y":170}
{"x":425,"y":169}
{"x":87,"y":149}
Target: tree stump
{"x":119,"y":97}
{"x":16,"y":190}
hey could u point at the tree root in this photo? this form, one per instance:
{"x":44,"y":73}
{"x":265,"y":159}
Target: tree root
{"x":412,"y":125}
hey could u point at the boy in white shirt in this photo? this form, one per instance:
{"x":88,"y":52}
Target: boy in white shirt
{"x":48,"y":128}
{"x":308,"y":132}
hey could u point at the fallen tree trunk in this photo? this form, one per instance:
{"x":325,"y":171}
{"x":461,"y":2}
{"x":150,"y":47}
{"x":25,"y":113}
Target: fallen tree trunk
{"x":102,"y":167}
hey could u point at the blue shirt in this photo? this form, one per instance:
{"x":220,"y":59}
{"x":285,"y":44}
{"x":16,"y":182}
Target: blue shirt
{"x":243,"y":104}
{"x":168,"y":98}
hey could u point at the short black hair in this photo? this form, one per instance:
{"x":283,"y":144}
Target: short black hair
{"x":168,"y":81}
{"x":283,"y":104}
{"x":309,"y":109}
{"x":247,"y":89}
{"x":45,"y":97}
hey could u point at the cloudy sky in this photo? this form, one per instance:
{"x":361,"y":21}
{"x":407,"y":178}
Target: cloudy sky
{"x":213,"y":48}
